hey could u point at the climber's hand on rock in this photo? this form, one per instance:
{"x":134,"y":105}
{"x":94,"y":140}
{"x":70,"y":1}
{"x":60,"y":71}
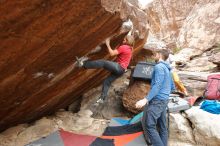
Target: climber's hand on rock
{"x":107,"y":41}
{"x":141,"y":103}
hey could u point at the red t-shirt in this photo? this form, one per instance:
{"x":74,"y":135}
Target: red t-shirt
{"x":124,"y":56}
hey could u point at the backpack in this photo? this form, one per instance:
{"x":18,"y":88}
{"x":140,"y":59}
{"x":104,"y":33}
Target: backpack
{"x":212,"y":90}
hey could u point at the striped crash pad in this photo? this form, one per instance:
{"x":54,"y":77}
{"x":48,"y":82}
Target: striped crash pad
{"x":120,"y":132}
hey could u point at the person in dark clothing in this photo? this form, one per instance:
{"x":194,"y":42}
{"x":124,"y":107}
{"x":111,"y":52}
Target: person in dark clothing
{"x":118,"y":68}
{"x":156,"y":101}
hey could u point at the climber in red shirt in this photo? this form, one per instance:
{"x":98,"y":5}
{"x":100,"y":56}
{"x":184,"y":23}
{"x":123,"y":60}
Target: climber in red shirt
{"x":118,"y":68}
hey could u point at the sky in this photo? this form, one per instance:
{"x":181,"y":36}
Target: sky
{"x":145,"y":2}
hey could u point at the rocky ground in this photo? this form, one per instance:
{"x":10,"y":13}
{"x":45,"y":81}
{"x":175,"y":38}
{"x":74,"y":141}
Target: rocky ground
{"x":81,"y":123}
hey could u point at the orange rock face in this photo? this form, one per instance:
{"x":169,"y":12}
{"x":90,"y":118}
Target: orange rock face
{"x":38,"y":44}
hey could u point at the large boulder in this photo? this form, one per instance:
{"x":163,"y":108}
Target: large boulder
{"x":180,"y":130}
{"x":215,"y":58}
{"x":136,"y":91}
{"x":194,"y":127}
{"x":200,"y":30}
{"x":39,"y":42}
{"x":189,"y":25}
{"x":165,"y":18}
{"x":195,"y":82}
{"x":200,"y":64}
{"x":205,"y":126}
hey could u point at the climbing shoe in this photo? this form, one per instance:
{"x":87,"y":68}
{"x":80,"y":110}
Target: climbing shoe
{"x":80,"y":61}
{"x":100,"y":100}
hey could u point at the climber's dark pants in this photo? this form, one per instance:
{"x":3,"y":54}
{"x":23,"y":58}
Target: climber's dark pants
{"x":115,"y":69}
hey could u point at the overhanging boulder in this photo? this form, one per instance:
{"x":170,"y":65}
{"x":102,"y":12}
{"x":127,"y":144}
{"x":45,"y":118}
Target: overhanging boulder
{"x":39,"y":41}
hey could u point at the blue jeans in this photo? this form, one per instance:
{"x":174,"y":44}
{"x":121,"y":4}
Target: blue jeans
{"x":115,"y":69}
{"x":155,"y":116}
